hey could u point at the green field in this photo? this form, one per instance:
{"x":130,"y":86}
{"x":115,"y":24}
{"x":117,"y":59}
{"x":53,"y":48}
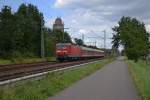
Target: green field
{"x":141,"y":75}
{"x":25,"y":60}
{"x":50,"y":84}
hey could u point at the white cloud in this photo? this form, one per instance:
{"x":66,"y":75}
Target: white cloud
{"x":49,"y":22}
{"x":60,"y":3}
{"x":91,"y":17}
{"x":73,"y":3}
{"x":83,"y":31}
{"x":90,"y":24}
{"x":148,"y":28}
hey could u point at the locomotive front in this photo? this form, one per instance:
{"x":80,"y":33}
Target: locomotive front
{"x":62,"y":50}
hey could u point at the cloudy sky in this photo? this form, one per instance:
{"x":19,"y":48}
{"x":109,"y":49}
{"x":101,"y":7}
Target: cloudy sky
{"x":89,"y":17}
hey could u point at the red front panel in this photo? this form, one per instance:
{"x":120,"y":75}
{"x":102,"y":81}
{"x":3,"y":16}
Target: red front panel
{"x":62,"y":50}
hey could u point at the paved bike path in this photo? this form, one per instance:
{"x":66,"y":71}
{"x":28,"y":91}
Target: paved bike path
{"x":112,"y":82}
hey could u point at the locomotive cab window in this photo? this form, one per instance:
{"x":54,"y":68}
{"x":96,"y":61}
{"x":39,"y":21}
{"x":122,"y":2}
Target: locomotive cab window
{"x":60,"y":46}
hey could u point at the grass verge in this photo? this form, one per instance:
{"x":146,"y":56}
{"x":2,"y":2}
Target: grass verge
{"x":141,"y":75}
{"x":25,"y":60}
{"x":51,"y":84}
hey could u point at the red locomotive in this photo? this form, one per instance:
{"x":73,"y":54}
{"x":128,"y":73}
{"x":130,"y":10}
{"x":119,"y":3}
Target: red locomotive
{"x":68,"y":51}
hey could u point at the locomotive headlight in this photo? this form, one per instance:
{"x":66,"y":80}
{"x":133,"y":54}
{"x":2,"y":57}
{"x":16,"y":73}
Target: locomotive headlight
{"x":61,"y":51}
{"x":64,"y":51}
{"x":58,"y":51}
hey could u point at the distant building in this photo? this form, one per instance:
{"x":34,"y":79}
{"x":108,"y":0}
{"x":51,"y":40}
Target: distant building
{"x":58,"y":24}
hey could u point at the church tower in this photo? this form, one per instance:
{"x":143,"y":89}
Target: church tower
{"x":58,"y":24}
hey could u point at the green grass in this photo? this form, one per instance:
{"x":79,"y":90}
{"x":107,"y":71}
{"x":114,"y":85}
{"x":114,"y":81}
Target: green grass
{"x":141,"y":75}
{"x":25,"y":60}
{"x":50,"y":84}
{"x":4,"y":61}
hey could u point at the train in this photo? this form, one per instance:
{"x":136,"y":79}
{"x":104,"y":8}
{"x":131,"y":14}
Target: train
{"x":68,"y":51}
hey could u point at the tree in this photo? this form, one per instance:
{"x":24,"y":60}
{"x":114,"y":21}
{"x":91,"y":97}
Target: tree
{"x":20,"y":32}
{"x":61,"y":37}
{"x":78,"y":41}
{"x":29,"y":25}
{"x":132,"y":34}
{"x":6,"y":32}
{"x":49,"y":42}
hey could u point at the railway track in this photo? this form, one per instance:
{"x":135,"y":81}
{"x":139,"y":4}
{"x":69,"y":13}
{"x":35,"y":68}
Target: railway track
{"x":8,"y":72}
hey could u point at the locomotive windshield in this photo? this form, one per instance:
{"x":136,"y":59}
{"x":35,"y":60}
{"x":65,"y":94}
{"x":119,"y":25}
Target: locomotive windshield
{"x":60,"y":46}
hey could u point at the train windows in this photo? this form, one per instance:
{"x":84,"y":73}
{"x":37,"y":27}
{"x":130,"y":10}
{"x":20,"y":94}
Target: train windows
{"x":61,"y":46}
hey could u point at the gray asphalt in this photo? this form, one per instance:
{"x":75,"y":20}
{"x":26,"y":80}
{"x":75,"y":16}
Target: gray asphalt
{"x":112,"y":82}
